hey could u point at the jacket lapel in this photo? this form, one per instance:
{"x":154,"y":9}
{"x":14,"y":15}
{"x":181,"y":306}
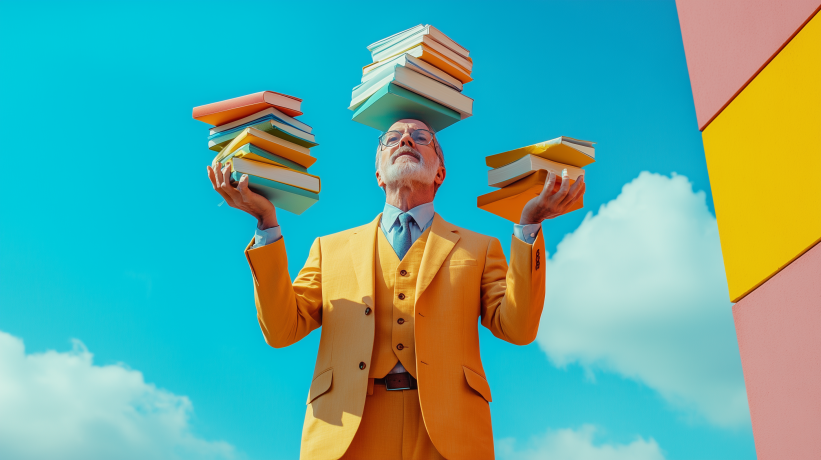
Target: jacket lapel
{"x":362,"y":247}
{"x":440,"y":242}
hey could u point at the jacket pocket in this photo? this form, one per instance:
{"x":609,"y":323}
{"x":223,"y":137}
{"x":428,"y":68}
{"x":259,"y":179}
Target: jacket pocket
{"x":478,"y":383}
{"x":320,"y":385}
{"x":463,"y":262}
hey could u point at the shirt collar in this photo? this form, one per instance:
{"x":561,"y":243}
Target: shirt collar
{"x":421,"y":214}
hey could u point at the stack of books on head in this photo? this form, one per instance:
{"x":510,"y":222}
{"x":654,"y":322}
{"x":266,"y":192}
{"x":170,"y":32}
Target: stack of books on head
{"x":520,"y":174}
{"x":259,"y":135}
{"x":416,"y":74}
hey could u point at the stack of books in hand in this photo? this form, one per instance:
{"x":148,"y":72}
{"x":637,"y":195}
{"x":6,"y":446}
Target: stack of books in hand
{"x":520,"y":174}
{"x":416,"y":74}
{"x":259,"y":135}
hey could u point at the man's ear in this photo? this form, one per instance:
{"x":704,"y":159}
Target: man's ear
{"x":440,"y":176}
{"x":379,"y":180}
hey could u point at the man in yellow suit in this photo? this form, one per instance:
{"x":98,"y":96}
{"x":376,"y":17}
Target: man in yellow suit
{"x":398,"y":374}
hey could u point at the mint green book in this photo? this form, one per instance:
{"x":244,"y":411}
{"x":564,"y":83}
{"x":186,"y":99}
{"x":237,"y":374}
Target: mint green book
{"x":392,"y":103}
{"x":283,"y":196}
{"x":252,"y":152}
{"x":217,"y":141}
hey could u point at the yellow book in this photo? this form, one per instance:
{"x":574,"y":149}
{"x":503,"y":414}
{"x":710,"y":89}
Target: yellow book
{"x":509,"y":201}
{"x":288,"y":150}
{"x":567,"y":150}
{"x":427,"y":54}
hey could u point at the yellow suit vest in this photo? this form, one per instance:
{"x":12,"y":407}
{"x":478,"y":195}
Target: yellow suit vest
{"x":395,"y":292}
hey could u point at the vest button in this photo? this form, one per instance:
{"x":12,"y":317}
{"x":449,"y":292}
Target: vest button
{"x":367,"y":311}
{"x":400,"y":320}
{"x":401,"y":296}
{"x":400,"y":346}
{"x":362,"y":365}
{"x":403,"y":273}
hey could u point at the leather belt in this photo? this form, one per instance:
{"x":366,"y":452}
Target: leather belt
{"x":402,"y":381}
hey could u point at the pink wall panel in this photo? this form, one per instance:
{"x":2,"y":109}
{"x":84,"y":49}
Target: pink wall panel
{"x":779,"y":336}
{"x":728,"y":41}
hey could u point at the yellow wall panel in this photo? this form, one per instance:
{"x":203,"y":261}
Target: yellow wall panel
{"x":764,"y":159}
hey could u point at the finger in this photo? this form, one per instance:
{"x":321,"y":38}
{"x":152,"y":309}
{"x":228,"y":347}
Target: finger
{"x":579,"y":195}
{"x":575,"y":190}
{"x":559,"y":196}
{"x":244,"y":191}
{"x":227,"y":187}
{"x":212,"y":177}
{"x":218,"y":173}
{"x":548,"y":185}
{"x":215,"y":184}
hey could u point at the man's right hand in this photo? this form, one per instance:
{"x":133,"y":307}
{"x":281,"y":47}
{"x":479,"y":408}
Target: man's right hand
{"x":241,"y":197}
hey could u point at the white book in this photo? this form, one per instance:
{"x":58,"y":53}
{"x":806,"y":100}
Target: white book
{"x":527,"y":165}
{"x":417,"y":65}
{"x":426,"y":40}
{"x":416,"y":31}
{"x":419,"y":84}
{"x":585,"y":147}
{"x":269,"y":111}
{"x":278,"y":174}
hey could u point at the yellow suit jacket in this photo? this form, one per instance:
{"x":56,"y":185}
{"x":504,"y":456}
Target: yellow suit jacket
{"x":463,"y":277}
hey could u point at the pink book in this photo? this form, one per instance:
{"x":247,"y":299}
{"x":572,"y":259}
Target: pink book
{"x":220,"y":113}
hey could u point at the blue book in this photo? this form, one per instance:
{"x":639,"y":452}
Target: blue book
{"x":283,"y":196}
{"x":304,"y":128}
{"x":217,"y":141}
{"x":392,"y":103}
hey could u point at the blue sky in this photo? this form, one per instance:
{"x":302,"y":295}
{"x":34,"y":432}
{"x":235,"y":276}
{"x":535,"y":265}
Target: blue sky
{"x":112,"y":236}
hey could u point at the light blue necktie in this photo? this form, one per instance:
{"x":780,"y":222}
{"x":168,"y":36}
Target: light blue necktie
{"x":402,"y":237}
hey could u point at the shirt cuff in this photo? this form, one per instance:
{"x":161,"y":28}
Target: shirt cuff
{"x":526,"y":233}
{"x":267,"y":236}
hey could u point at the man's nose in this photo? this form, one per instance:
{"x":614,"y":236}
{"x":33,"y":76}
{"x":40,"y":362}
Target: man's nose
{"x":406,"y":140}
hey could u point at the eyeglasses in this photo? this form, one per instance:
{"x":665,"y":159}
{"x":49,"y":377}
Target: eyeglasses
{"x":419,"y":136}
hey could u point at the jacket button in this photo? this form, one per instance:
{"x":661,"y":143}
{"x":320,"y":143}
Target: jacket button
{"x":368,"y":311}
{"x":401,"y":296}
{"x":403,"y":273}
{"x":400,"y":346}
{"x":400,"y":320}
{"x":362,"y":365}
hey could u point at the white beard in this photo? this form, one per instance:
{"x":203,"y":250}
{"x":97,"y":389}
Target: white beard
{"x":405,"y":171}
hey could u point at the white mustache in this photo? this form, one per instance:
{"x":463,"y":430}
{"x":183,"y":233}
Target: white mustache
{"x":406,"y":149}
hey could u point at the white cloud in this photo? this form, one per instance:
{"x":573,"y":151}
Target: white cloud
{"x":61,"y":405}
{"x":639,"y":289}
{"x":568,"y":444}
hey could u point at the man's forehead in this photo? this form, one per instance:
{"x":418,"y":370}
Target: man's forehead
{"x":408,"y":123}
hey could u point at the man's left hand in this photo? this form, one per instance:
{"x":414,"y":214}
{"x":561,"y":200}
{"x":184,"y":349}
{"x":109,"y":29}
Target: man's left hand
{"x":548,"y":204}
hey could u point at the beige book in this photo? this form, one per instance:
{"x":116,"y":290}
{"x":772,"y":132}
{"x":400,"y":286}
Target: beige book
{"x":526,"y":166}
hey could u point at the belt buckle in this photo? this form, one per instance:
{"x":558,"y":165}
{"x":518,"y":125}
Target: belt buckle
{"x":402,"y":382}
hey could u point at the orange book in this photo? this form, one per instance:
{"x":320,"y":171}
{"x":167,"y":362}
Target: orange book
{"x":271,"y":144}
{"x":426,"y":53}
{"x":509,"y":201}
{"x":220,"y":113}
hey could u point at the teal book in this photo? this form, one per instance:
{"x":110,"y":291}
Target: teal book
{"x":392,"y":103}
{"x":252,"y":152}
{"x":217,"y":141}
{"x":283,"y":196}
